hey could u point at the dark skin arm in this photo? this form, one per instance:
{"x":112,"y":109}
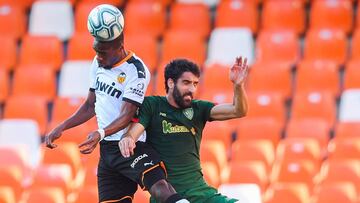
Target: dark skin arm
{"x":83,"y":114}
{"x":127,"y":112}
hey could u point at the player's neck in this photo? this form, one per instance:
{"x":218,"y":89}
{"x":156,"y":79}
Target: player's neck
{"x":171,"y":101}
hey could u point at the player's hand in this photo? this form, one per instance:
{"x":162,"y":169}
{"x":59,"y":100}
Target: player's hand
{"x":52,"y":136}
{"x":127,"y":146}
{"x":239,"y":71}
{"x":90,"y":144}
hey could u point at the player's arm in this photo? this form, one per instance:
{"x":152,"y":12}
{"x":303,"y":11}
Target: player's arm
{"x":127,"y":142}
{"x":83,"y":114}
{"x":127,"y":113}
{"x":239,"y":107}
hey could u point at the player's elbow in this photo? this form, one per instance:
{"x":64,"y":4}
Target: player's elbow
{"x":241,"y":112}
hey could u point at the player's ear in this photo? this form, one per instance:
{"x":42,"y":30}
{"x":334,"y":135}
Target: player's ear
{"x":170,"y":83}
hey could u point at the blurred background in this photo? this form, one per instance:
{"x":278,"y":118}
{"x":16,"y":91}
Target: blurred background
{"x":300,"y":142}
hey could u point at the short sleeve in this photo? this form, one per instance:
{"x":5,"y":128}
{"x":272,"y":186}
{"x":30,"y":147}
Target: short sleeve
{"x":206,"y":107}
{"x":145,"y":112}
{"x":92,"y":74}
{"x":135,"y":89}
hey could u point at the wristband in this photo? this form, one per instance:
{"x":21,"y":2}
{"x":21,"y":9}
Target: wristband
{"x":102,"y":133}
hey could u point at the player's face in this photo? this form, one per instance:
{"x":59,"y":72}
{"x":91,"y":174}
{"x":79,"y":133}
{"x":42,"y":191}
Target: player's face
{"x":184,"y":89}
{"x":106,"y":54}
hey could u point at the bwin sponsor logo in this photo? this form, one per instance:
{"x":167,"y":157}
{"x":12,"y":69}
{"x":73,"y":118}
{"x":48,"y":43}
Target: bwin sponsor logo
{"x":137,"y":159}
{"x":108,"y":89}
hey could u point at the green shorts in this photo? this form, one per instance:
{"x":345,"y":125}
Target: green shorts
{"x":203,"y":193}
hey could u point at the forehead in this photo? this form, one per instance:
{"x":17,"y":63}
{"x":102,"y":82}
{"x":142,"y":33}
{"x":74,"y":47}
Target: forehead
{"x":188,"y":76}
{"x":98,"y":45}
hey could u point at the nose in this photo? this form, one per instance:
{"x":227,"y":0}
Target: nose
{"x":192,"y":88}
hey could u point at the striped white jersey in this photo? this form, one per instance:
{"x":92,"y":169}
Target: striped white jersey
{"x":126,"y":81}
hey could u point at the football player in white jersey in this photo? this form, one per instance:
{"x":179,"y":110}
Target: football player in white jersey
{"x":119,"y":80}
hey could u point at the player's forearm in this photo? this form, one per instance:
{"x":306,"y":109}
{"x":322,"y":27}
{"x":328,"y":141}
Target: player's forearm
{"x":240,"y":101}
{"x":135,"y":131}
{"x":83,"y":114}
{"x":118,"y":124}
{"x":126,"y":115}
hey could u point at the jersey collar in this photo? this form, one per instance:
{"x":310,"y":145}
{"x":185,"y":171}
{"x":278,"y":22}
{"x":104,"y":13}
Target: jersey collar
{"x":130,"y":54}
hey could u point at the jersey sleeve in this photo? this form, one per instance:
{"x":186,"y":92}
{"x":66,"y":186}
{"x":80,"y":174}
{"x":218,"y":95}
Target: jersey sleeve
{"x":135,"y":88}
{"x":206,"y":107}
{"x":145,"y":112}
{"x":92,"y":75}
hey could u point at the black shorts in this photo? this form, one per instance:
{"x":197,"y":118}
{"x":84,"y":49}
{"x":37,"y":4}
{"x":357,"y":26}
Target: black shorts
{"x":118,"y":177}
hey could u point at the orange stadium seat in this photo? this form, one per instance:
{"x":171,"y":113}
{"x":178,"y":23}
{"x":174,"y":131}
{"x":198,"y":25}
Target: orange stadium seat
{"x":144,"y":17}
{"x":4,"y":85}
{"x":214,"y":151}
{"x":66,"y":153}
{"x":284,"y":15}
{"x":295,"y":171}
{"x":144,"y":46}
{"x":318,"y":76}
{"x":309,"y":128}
{"x":345,"y":149}
{"x":91,"y":160}
{"x":12,"y":20}
{"x":352,"y":75}
{"x":64,"y":107}
{"x":237,"y":14}
{"x":11,"y":176}
{"x":332,"y":14}
{"x":299,"y":148}
{"x":216,"y":77}
{"x":88,"y":194}
{"x":253,"y":150}
{"x":117,"y":3}
{"x":248,"y":172}
{"x":335,"y":193}
{"x":217,"y":96}
{"x":44,"y":194}
{"x":194,"y":49}
{"x":279,"y":45}
{"x":80,"y":47}
{"x":344,"y":130}
{"x":221,"y":131}
{"x":23,"y":4}
{"x":7,"y":194}
{"x":355,"y":45}
{"x":90,"y":176}
{"x":267,"y":105}
{"x":262,"y":76}
{"x":18,"y":107}
{"x":258,"y":129}
{"x":287,"y":192}
{"x":211,"y":173}
{"x":33,"y":81}
{"x":334,"y":171}
{"x":326,"y":44}
{"x":53,"y":175}
{"x":82,"y":10}
{"x":8,"y":55}
{"x":182,"y":19}
{"x":315,"y":105}
{"x":42,"y":50}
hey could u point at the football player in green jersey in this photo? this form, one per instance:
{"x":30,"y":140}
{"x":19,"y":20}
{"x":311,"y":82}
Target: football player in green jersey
{"x":174,"y":124}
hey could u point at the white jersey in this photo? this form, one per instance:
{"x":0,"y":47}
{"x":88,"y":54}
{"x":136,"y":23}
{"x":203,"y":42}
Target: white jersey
{"x":126,"y":81}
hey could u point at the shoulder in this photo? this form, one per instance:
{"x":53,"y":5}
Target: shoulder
{"x":152,"y":99}
{"x":138,"y":65}
{"x":200,"y":103}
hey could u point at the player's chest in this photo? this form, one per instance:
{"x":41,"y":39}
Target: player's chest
{"x":110,"y":83}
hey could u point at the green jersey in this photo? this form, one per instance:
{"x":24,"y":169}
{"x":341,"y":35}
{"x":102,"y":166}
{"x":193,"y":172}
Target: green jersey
{"x":176,"y":135}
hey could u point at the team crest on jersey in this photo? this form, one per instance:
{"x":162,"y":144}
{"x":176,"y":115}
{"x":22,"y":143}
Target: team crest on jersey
{"x":189,"y":113}
{"x":121,"y":77}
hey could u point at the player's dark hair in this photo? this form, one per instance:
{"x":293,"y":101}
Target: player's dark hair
{"x":115,"y":43}
{"x":177,"y":67}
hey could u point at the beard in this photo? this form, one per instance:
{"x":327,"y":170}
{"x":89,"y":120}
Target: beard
{"x":179,"y":98}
